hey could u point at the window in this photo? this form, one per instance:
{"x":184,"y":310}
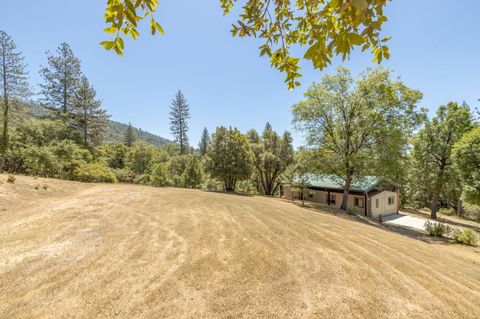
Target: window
{"x":391,"y":200}
{"x":377,"y":203}
{"x":333,"y":199}
{"x":358,"y":202}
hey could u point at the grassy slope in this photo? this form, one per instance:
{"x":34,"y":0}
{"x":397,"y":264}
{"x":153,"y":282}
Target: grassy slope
{"x":84,"y":250}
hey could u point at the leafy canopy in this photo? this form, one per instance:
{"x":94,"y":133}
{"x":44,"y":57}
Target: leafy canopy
{"x":326,"y":28}
{"x":358,"y":128}
{"x":466,"y":154}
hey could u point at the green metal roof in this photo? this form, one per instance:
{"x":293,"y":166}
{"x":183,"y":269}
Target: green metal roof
{"x":363,"y":184}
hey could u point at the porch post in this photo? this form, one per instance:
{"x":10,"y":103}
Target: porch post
{"x":366,"y":205}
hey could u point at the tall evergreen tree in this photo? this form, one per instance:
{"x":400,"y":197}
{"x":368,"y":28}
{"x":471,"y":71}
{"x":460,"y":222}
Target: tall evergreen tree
{"x":13,"y":83}
{"x":179,"y":114}
{"x":61,"y":79}
{"x":204,"y":141}
{"x":130,"y":136}
{"x":89,"y":117}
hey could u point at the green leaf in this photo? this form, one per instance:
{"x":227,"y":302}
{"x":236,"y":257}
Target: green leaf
{"x":360,"y":4}
{"x":159,"y":28}
{"x":108,"y":45}
{"x":110,"y":30}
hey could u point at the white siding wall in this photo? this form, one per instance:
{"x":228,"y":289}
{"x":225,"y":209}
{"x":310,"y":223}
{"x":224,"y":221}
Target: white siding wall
{"x":321,"y":197}
{"x":383,"y":207}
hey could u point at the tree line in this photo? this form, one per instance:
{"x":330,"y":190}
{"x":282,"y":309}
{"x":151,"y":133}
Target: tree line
{"x":372,"y":125}
{"x":354,"y":127}
{"x":69,"y":141}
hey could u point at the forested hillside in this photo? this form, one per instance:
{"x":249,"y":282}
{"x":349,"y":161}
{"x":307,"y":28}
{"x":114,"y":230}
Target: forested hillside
{"x":115,"y":131}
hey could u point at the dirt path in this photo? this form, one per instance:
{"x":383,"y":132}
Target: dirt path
{"x":103,"y":251}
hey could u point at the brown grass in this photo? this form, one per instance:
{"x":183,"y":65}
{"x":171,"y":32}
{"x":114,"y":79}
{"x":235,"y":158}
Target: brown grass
{"x":101,"y":251}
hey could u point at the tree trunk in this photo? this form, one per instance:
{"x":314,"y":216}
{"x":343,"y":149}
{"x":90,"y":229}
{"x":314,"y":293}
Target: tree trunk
{"x":346,"y":190}
{"x":85,"y":136}
{"x":85,"y":129}
{"x":5,"y":138}
{"x":4,"y":145}
{"x":460,"y":207}
{"x":437,"y":191}
{"x":436,"y":196}
{"x":303,"y":197}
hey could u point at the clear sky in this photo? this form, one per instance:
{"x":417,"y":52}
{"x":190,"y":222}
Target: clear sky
{"x":435,"y":48}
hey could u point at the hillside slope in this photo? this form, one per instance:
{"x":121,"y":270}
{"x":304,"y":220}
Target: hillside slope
{"x":90,"y":250}
{"x":115,"y":130}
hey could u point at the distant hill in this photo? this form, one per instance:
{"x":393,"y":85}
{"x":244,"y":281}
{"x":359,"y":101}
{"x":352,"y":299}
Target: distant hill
{"x":115,"y":130}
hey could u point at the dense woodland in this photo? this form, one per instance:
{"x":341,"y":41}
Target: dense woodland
{"x":354,"y":127}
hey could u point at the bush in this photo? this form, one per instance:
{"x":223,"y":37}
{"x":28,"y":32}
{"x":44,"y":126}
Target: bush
{"x":466,"y":237}
{"x":437,"y":229}
{"x":143,"y":179}
{"x":447,"y":211}
{"x":125,"y":175}
{"x":351,"y":211}
{"x":159,"y":175}
{"x":94,"y":173}
{"x":11,"y":178}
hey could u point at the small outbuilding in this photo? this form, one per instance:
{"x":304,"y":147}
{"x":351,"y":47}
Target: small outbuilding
{"x":370,"y":196}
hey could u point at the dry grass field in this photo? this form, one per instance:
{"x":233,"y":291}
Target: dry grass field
{"x":78,"y":250}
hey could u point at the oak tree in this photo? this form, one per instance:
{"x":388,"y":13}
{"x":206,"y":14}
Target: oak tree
{"x":325,"y":28}
{"x":357,"y":128}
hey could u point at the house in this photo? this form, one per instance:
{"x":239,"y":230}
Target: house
{"x":370,"y":196}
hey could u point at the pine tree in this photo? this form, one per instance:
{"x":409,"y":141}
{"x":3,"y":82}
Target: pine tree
{"x":204,"y":141}
{"x":88,"y":116}
{"x":130,"y":136}
{"x":61,"y":80}
{"x":179,"y":114}
{"x":13,"y":84}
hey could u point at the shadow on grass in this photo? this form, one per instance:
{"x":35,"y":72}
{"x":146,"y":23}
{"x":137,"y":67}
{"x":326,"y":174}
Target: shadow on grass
{"x":401,"y":230}
{"x":227,"y":193}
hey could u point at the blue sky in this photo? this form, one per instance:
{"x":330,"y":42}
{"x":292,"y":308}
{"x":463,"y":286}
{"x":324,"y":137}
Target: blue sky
{"x":435,"y":47}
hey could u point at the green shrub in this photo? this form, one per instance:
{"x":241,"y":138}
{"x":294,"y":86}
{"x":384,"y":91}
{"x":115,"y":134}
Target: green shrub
{"x":447,"y":211}
{"x":246,"y":187}
{"x":437,"y":229}
{"x":143,"y":179}
{"x":351,"y":211}
{"x":11,"y":179}
{"x":45,"y":186}
{"x":159,"y":175}
{"x":125,"y":175}
{"x":466,"y":237}
{"x":94,"y":173}
{"x":37,"y":187}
